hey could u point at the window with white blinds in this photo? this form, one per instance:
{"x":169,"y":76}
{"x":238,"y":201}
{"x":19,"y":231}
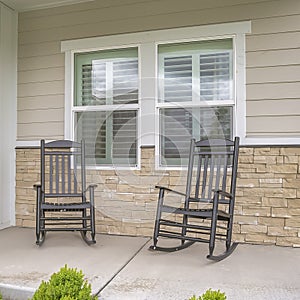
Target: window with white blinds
{"x":106,"y":104}
{"x":215,"y":76}
{"x":196,"y":95}
{"x":179,"y":83}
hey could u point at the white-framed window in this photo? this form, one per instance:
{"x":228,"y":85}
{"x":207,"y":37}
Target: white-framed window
{"x":105,"y":105}
{"x":187,"y":82}
{"x":196,"y":95}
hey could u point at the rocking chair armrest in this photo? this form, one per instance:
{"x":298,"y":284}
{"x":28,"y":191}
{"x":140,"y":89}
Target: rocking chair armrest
{"x":223,"y":193}
{"x":170,"y":190}
{"x":91,"y":187}
{"x":37,"y":185}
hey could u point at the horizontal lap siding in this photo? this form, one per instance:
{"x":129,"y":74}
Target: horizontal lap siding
{"x":260,"y":107}
{"x":273,"y":50}
{"x":273,"y":76}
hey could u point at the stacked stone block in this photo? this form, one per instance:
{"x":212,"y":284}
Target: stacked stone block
{"x":268,"y":196}
{"x":267,"y":203}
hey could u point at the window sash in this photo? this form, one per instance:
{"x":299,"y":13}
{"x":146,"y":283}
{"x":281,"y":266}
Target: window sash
{"x":195,"y":86}
{"x":102,"y":77}
{"x":106,"y":103}
{"x":178,"y":125}
{"x":196,"y":71}
{"x":110,"y":136}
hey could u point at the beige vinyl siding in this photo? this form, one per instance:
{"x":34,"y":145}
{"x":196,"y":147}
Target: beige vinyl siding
{"x":50,"y":74}
{"x":272,"y":58}
{"x":272,"y":53}
{"x":273,"y":76}
{"x":260,"y":107}
{"x":48,"y":129}
{"x":271,"y":91}
{"x":41,"y":49}
{"x":274,"y":41}
{"x":288,"y":124}
{"x":41,"y":103}
{"x":41,"y":62}
{"x":41,"y":88}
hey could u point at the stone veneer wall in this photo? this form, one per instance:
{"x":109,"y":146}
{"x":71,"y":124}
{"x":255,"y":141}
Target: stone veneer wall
{"x":267,"y":207}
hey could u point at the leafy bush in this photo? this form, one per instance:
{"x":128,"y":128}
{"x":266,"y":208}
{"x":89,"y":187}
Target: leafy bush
{"x":210,"y":295}
{"x":1,"y":296}
{"x":67,"y":284}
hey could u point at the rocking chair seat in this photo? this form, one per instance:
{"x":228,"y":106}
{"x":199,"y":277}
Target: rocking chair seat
{"x":65,"y":206}
{"x":196,"y":213}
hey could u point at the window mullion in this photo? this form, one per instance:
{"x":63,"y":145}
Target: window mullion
{"x":196,"y":95}
{"x":161,"y":78}
{"x":109,"y":83}
{"x":109,"y":114}
{"x":109,"y":136}
{"x":196,"y":78}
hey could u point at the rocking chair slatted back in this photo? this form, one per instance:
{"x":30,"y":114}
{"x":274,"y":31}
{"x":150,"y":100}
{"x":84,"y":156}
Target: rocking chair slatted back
{"x":61,"y":169}
{"x":208,"y":168}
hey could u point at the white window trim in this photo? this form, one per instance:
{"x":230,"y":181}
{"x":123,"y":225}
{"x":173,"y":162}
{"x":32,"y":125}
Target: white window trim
{"x":147,"y":42}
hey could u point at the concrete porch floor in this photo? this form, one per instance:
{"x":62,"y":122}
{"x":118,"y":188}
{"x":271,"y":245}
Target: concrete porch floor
{"x":123,"y":268}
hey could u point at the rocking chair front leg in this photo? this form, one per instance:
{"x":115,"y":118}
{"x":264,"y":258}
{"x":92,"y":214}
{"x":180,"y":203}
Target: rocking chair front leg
{"x":213,"y":225}
{"x":40,"y":235}
{"x":229,"y":247}
{"x":229,"y":234}
{"x":92,"y":211}
{"x":157,"y":219}
{"x":37,"y":226}
{"x":183,"y":231}
{"x":89,"y":240}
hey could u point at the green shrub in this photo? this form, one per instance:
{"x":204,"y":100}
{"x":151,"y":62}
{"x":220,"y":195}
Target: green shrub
{"x":210,"y":295}
{"x":1,"y":296}
{"x":67,"y":284}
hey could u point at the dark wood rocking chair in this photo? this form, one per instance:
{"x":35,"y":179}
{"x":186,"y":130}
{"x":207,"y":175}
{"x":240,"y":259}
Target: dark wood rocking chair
{"x":207,"y":212}
{"x":63,"y":203}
